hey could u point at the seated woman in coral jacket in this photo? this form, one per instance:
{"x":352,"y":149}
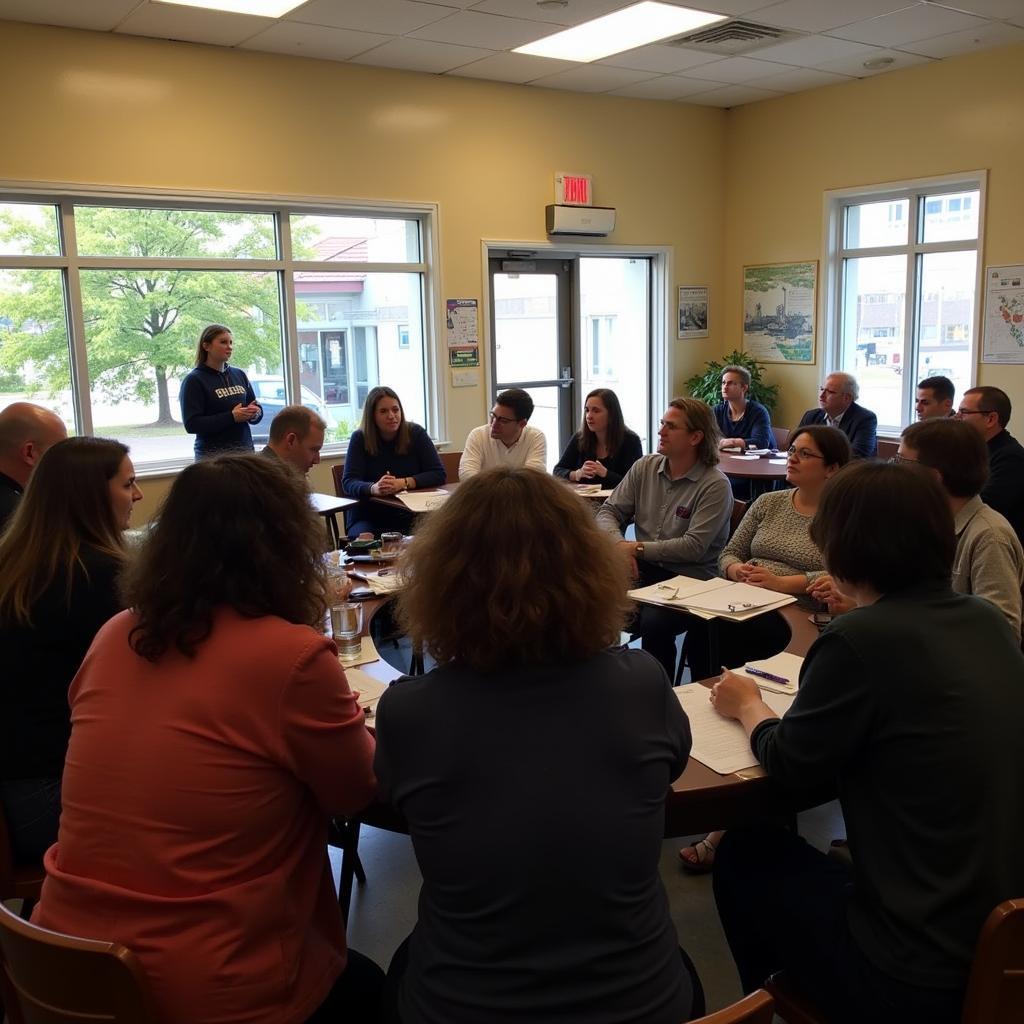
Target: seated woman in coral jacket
{"x":213,"y":735}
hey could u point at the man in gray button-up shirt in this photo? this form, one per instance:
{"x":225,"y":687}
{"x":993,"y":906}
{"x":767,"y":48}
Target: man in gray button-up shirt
{"x":681,"y":503}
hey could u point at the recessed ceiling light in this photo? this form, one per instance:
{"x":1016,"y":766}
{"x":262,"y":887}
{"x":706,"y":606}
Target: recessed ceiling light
{"x":876,"y":63}
{"x":261,"y":8}
{"x":552,"y":5}
{"x":622,"y":30}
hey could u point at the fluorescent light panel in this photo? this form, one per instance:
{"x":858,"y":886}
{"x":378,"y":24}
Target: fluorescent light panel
{"x":261,"y":8}
{"x":622,"y":30}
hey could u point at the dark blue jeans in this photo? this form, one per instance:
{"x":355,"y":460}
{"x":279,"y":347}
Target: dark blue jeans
{"x":32,"y":809}
{"x":782,"y":904}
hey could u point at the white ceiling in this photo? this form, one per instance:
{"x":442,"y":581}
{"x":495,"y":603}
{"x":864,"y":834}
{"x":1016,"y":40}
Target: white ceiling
{"x":473,"y":39}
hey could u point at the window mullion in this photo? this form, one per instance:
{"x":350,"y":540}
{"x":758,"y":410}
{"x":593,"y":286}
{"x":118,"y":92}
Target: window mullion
{"x":289,"y":318}
{"x":80,"y":387}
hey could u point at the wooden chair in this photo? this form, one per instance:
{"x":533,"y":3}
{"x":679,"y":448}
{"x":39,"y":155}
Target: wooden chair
{"x":450,"y":461}
{"x":995,"y":987}
{"x":739,"y":509}
{"x":757,"y":1008}
{"x":337,"y":472}
{"x":887,"y":449}
{"x":781,"y":438}
{"x":49,"y":978}
{"x":17,"y":882}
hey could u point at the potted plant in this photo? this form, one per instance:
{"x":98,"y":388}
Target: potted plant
{"x":706,"y":385}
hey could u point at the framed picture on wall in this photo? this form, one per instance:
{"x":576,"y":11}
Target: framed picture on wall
{"x":693,"y":312}
{"x":779,"y":311}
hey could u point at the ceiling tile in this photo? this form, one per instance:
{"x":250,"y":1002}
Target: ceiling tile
{"x":575,"y":12}
{"x":919,"y":22}
{"x":733,"y":7}
{"x":467,"y":28}
{"x":389,"y":17}
{"x":820,"y":15}
{"x":421,"y":55}
{"x":192,"y":24}
{"x":811,"y":51}
{"x":591,"y":78}
{"x":733,"y":70}
{"x":667,"y":87}
{"x":996,"y":33}
{"x":1011,"y":9}
{"x":797,"y":80}
{"x":512,"y":67}
{"x":313,"y":41}
{"x":855,"y":65}
{"x":656,"y":57}
{"x":100,"y":15}
{"x":731,"y":96}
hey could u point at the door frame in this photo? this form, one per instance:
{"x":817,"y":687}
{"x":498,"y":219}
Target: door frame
{"x":663,"y":327}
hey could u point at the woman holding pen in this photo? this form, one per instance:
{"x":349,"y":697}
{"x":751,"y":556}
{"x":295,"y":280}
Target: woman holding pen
{"x":772,"y":548}
{"x":387,"y":455}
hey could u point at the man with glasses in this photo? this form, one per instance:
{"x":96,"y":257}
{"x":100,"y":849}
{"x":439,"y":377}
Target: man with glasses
{"x":680,"y":503}
{"x":507,"y":440}
{"x":837,"y":407}
{"x":987,"y":410}
{"x":935,"y":398}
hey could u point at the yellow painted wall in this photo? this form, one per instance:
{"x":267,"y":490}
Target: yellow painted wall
{"x":962,"y":114}
{"x":95,"y":108}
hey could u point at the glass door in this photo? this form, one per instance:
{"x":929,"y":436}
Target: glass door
{"x":531,"y":338}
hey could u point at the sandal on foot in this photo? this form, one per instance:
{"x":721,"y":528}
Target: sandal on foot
{"x":702,"y":860}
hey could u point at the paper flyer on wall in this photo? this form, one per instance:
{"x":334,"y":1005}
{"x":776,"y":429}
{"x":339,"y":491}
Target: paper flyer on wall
{"x":462,"y":332}
{"x":1004,"y":315}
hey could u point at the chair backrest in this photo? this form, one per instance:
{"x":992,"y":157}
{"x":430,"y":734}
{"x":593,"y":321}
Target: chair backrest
{"x":450,"y":461}
{"x":738,"y":510}
{"x":781,"y":437}
{"x":337,"y":472}
{"x":887,"y":449}
{"x":757,"y":1008}
{"x":49,"y":978}
{"x":995,"y":989}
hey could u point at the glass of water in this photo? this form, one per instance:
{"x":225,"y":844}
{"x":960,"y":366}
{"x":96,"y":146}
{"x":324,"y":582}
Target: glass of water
{"x":347,"y":629}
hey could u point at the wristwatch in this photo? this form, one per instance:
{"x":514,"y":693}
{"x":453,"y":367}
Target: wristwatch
{"x":639,"y":551}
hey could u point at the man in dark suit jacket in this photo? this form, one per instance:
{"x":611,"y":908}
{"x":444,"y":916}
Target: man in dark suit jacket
{"x":837,"y":407}
{"x":988,"y":409}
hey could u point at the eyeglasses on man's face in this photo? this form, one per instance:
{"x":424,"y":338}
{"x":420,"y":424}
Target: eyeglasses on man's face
{"x":896,"y":459}
{"x":804,"y":453}
{"x":973,"y":412}
{"x":503,"y":420}
{"x":669,"y":425}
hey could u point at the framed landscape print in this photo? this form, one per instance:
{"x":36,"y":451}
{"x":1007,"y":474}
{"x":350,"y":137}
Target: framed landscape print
{"x":779,"y":311}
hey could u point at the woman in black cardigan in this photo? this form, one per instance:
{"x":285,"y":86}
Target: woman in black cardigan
{"x":604,"y":447}
{"x":60,"y":559}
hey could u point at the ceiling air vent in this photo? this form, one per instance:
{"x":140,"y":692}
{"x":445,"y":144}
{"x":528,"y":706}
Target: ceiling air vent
{"x":730,"y":38}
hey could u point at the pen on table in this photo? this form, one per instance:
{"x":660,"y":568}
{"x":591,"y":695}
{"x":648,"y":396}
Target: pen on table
{"x":761,"y":674}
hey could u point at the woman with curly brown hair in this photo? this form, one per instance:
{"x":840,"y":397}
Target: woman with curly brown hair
{"x":532,"y":738}
{"x":213,"y":735}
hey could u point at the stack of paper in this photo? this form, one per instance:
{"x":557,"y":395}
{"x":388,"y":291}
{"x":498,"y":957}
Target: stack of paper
{"x":368,"y":688}
{"x":785,"y":667}
{"x":721,"y":743}
{"x":712,"y":599}
{"x":422,"y":501}
{"x":592,"y":491}
{"x":383,"y":581}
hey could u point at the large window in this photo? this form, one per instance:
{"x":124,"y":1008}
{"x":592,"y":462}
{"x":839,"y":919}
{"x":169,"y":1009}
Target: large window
{"x":102,"y":303}
{"x":904,"y":270}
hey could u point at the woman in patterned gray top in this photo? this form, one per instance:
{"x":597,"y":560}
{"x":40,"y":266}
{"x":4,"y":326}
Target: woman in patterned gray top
{"x":772,"y":548}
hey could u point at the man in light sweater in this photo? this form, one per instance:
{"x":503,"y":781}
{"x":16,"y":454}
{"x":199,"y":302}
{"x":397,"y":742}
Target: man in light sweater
{"x":508,"y":440}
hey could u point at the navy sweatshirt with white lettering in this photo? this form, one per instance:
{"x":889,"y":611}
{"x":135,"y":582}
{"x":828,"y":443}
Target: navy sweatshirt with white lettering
{"x":207,"y":398}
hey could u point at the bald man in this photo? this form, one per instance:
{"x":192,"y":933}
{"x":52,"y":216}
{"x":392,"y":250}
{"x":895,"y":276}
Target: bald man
{"x":26,"y":432}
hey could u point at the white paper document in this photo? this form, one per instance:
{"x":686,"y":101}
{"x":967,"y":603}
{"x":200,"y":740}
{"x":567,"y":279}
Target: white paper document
{"x":784,"y":666}
{"x":747,"y":458}
{"x":721,"y":743}
{"x":592,"y":491}
{"x":422,"y":501}
{"x":368,"y":688}
{"x":711,"y":599}
{"x":778,"y":462}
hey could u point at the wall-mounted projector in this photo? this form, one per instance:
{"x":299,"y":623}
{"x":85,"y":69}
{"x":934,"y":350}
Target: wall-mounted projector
{"x":580,"y":220}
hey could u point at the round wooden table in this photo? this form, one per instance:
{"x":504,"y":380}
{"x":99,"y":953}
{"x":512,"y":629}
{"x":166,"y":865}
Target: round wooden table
{"x":752,"y":469}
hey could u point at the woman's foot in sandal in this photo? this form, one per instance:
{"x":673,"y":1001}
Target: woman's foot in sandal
{"x":700,"y":858}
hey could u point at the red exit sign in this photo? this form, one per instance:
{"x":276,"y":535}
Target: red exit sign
{"x":574,"y":189}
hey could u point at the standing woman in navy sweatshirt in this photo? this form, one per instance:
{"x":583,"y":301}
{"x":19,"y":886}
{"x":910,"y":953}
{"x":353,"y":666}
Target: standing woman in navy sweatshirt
{"x":217,"y":400}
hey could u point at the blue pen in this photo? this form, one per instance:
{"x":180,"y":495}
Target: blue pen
{"x":761,"y":674}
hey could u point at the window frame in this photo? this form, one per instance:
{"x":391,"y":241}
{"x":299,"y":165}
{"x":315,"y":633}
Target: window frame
{"x":65,"y":197}
{"x":834,"y":255}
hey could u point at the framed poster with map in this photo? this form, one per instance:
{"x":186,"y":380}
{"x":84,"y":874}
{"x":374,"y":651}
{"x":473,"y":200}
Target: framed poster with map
{"x":779,"y":311}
